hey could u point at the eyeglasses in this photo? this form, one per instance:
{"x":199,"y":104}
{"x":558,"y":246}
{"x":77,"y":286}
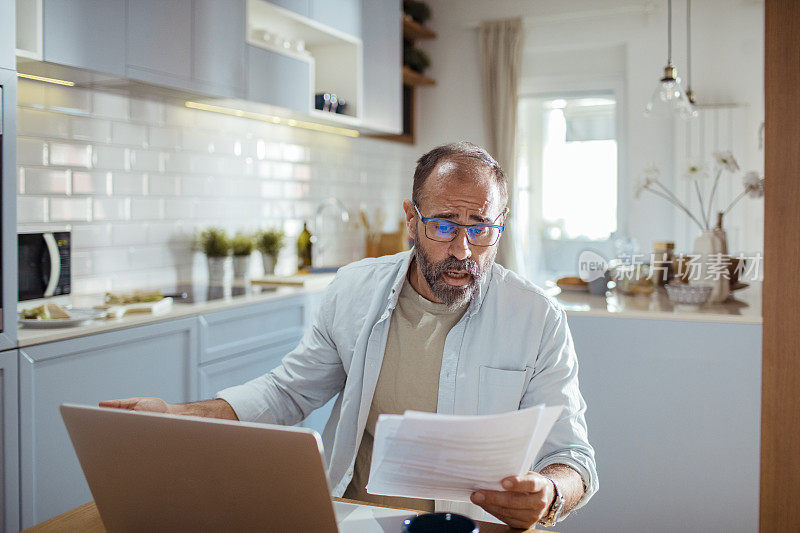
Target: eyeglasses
{"x":440,"y":230}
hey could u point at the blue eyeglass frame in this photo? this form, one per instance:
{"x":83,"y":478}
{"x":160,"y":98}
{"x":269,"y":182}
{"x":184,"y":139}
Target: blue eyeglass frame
{"x":466,"y":227}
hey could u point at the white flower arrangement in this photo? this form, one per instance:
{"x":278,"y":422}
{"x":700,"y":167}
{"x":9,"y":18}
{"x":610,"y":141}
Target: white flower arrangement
{"x":697,"y":171}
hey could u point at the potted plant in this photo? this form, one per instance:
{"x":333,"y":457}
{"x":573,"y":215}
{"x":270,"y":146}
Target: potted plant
{"x":242,"y":247}
{"x":215,"y":244}
{"x":269,"y":243}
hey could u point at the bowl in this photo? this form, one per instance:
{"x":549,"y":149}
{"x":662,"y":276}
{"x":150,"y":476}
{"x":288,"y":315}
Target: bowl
{"x":684,"y":294}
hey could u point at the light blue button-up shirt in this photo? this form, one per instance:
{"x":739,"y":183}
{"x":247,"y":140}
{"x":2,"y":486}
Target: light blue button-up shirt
{"x":511,"y":349}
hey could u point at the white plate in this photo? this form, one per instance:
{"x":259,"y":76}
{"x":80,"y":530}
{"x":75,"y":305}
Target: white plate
{"x":77,"y":317}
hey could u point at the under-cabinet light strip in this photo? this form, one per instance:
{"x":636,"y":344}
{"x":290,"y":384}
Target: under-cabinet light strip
{"x":272,"y":119}
{"x":46,"y":80}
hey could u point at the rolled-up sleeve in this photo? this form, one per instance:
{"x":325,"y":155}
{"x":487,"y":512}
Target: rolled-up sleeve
{"x":555,"y":382}
{"x":306,"y":379}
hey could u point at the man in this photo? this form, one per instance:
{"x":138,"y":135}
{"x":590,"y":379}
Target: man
{"x":440,"y":328}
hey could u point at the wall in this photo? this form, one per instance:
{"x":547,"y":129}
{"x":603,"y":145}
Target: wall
{"x":566,"y":40}
{"x":135,"y":177}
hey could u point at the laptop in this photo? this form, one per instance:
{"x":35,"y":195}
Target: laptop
{"x":158,"y":472}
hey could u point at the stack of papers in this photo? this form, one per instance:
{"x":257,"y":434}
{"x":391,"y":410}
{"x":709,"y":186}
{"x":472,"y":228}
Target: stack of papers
{"x":448,"y":457}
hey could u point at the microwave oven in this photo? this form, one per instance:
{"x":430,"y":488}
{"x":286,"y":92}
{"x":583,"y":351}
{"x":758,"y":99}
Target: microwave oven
{"x":44,"y":264}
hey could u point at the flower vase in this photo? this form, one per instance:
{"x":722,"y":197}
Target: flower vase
{"x":241,"y":266}
{"x":710,"y":266}
{"x":269,"y":263}
{"x":216,"y":270}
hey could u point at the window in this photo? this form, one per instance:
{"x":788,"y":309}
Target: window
{"x":566,"y":183}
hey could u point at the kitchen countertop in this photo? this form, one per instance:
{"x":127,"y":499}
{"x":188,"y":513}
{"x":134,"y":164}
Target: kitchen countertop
{"x":31,"y":336}
{"x":743,"y":307}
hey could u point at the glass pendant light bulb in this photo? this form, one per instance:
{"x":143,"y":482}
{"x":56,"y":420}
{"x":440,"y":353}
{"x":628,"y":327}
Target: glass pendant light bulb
{"x":669,"y":98}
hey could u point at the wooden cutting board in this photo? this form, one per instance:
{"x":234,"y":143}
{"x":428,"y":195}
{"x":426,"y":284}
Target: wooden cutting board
{"x":296,"y":280}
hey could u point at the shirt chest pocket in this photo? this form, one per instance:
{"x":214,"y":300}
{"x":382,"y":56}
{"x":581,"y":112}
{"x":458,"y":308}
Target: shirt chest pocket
{"x":499,"y":390}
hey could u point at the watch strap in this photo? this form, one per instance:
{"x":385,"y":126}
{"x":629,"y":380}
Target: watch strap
{"x":555,"y":508}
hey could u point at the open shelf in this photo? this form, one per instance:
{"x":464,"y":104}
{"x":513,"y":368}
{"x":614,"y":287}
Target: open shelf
{"x":413,"y":78}
{"x":414,"y":30}
{"x":334,"y":57}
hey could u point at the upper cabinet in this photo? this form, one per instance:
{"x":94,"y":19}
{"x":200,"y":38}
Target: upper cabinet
{"x":159,"y":40}
{"x":85,"y":34}
{"x":7,"y":34}
{"x":343,"y":15}
{"x":337,"y":62}
{"x":381,"y":30}
{"x":218,"y":43}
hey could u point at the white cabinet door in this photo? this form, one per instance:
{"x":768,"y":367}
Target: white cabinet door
{"x":154,"y":360}
{"x":383,"y":59}
{"x":9,"y":450}
{"x":218,"y":56}
{"x":88,"y":34}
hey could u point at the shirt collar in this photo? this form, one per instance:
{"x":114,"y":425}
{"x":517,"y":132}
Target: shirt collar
{"x":400,"y":278}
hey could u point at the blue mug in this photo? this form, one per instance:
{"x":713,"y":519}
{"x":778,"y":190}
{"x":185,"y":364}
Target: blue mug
{"x":440,"y":523}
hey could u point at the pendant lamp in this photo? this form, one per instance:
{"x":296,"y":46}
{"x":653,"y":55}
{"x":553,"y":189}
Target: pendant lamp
{"x":669,"y":98}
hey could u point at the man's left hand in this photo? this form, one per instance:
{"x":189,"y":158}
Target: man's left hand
{"x":525,"y":501}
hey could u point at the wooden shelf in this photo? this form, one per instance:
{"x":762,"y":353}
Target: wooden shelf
{"x":415,"y":78}
{"x":414,"y":30}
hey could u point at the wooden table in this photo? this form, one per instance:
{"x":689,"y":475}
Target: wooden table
{"x":87,"y":520}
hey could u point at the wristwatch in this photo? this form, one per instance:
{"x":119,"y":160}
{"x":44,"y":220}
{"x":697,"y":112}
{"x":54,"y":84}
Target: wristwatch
{"x":555,"y":508}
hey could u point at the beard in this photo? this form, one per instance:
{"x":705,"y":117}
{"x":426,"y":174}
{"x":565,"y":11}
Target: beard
{"x":452,"y":296}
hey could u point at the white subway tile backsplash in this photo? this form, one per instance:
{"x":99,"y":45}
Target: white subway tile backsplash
{"x":147,"y":208}
{"x":149,"y":111}
{"x":168,"y":138}
{"x":125,"y":184}
{"x":31,"y":152}
{"x":128,"y":234}
{"x":70,"y":155}
{"x":146,"y":160}
{"x":46,"y":181}
{"x":90,"y":129}
{"x":109,"y":105}
{"x":137,"y":177}
{"x":128,"y":134}
{"x":31,"y":209}
{"x":70,"y":209}
{"x":111,"y":158}
{"x":95,"y":183}
{"x":161,"y":185}
{"x":91,"y":235}
{"x":69,"y":99}
{"x":40,"y":123}
{"x":112,"y":208}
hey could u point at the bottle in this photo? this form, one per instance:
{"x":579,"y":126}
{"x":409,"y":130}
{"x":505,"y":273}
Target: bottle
{"x":304,"y":244}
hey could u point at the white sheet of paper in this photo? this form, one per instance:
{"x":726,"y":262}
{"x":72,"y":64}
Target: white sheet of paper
{"x":447,"y":457}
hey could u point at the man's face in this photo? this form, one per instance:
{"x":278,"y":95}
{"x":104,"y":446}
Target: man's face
{"x":464,"y":192}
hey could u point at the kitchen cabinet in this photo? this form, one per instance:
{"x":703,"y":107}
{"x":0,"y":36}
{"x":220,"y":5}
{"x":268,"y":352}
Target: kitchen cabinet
{"x":9,"y":450}
{"x":670,"y":401}
{"x":343,"y":15}
{"x":154,"y":360}
{"x":7,"y":32}
{"x":383,"y":56}
{"x":86,"y":34}
{"x":8,"y":213}
{"x":218,"y":53}
{"x":278,"y":80}
{"x":301,"y":7}
{"x":159,"y":42}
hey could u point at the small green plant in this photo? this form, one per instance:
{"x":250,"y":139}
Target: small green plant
{"x":242,"y":244}
{"x":419,"y":11}
{"x":271,"y":241}
{"x":416,"y":59}
{"x":215,"y":242}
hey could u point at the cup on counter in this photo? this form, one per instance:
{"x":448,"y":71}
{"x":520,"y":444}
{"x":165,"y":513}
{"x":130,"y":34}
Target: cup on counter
{"x":440,"y":523}
{"x":598,"y":284}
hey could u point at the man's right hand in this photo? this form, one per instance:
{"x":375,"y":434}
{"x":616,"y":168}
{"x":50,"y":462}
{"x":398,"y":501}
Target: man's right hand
{"x":209,"y":408}
{"x":153,"y":405}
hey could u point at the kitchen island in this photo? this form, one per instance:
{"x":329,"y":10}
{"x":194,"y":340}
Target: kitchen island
{"x":674,"y":401}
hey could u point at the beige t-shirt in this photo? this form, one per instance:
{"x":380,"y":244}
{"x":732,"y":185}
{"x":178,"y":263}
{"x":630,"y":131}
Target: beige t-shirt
{"x":409,"y":379}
